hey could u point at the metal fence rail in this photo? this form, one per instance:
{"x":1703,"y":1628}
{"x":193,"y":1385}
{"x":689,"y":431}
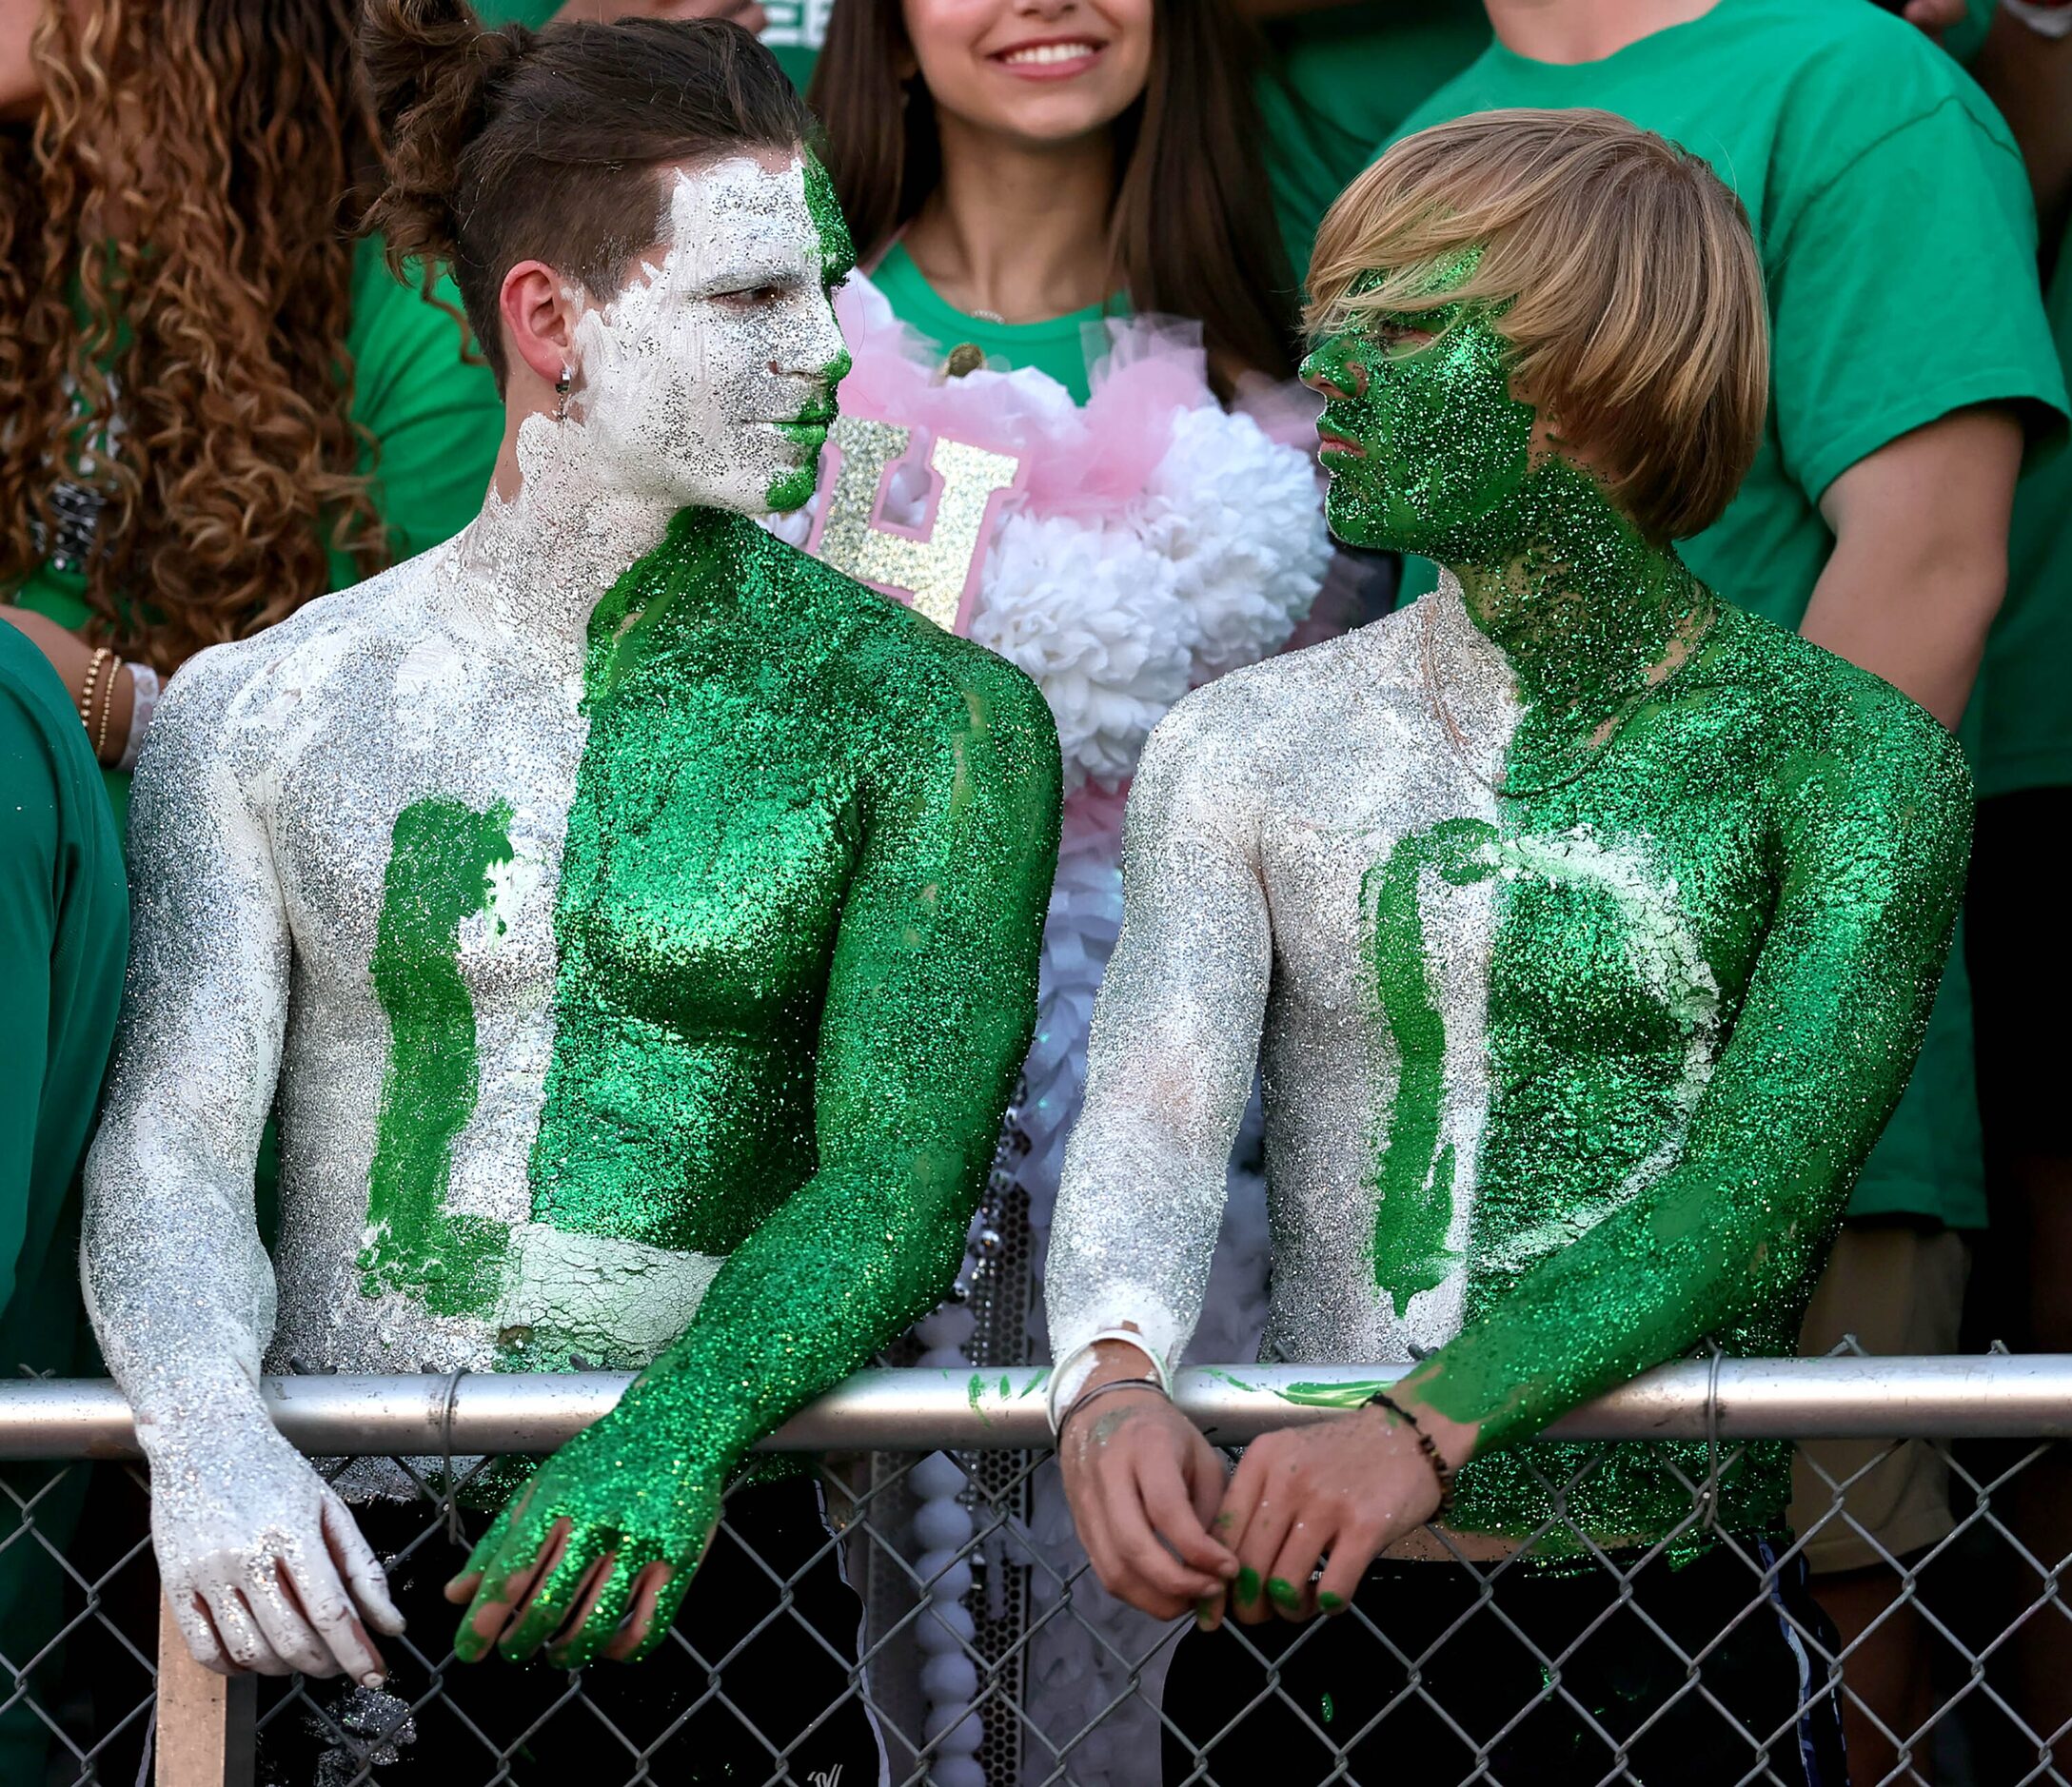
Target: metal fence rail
{"x":963,"y":1587}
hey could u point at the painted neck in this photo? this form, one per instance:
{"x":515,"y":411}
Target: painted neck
{"x":1570,"y":32}
{"x":1017,"y":230}
{"x":1588,"y":614}
{"x":552,"y":539}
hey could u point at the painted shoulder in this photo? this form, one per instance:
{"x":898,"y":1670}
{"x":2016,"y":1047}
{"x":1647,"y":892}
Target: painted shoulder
{"x":286,"y":654}
{"x":901,"y":665}
{"x":1298,"y":702}
{"x":213,"y":701}
{"x":1842,"y":711}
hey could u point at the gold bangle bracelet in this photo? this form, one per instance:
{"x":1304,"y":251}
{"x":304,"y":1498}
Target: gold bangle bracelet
{"x":101,"y":655}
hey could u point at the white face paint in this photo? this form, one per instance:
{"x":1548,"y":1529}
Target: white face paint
{"x":709,"y":379}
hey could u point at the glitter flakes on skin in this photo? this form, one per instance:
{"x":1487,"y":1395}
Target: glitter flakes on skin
{"x":552,"y":832}
{"x":1584,"y":929}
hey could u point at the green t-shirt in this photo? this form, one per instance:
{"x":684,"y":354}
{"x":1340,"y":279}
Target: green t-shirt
{"x":2024,"y":712}
{"x":1346,"y":79}
{"x":434,"y":416}
{"x":1067,"y":347}
{"x":1885,"y":189}
{"x":64,"y":934}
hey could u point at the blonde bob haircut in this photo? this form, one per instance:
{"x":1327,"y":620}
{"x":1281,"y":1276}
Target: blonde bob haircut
{"x":1624,"y":280}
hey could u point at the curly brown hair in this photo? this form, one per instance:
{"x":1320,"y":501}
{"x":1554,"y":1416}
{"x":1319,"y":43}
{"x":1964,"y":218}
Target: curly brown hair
{"x":176,"y":263}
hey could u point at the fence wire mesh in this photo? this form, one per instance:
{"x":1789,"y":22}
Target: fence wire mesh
{"x":912,"y":1618}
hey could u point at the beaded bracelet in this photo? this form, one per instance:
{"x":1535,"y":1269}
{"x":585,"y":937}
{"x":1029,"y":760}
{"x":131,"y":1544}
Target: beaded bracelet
{"x":101,"y":655}
{"x":107,"y":707}
{"x":1440,"y":1468}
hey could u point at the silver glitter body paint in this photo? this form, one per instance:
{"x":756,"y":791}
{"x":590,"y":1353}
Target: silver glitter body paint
{"x":1263,"y":804}
{"x":262,"y":823}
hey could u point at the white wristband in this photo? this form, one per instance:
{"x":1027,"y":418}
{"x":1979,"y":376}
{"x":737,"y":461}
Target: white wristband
{"x":2045,"y":19}
{"x":142,"y":704}
{"x":1075,"y":1369}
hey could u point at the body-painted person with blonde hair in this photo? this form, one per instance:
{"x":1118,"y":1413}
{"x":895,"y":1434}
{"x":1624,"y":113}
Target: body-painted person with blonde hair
{"x":635,"y":923}
{"x":1585,"y":929}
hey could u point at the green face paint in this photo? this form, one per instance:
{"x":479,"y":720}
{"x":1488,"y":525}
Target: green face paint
{"x":1426,"y":448}
{"x":837,"y":260}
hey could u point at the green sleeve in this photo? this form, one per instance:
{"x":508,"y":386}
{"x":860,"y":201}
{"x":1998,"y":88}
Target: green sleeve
{"x":930,"y":1006}
{"x":1873,"y":839}
{"x":27,"y":926}
{"x":63,"y":934}
{"x":432,"y":411}
{"x":1885,"y":319}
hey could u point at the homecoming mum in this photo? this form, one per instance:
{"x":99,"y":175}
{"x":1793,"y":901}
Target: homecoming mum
{"x":1584,"y":929}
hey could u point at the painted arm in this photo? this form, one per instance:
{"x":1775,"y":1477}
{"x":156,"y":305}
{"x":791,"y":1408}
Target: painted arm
{"x":1875,"y":833}
{"x":931,"y":1000}
{"x":1175,"y":1038}
{"x":178,"y":1284}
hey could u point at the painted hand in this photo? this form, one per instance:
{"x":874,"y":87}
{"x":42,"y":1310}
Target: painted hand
{"x":1350,"y":1487}
{"x":268,"y":1574}
{"x":591,"y":1558}
{"x":1142,"y":1485}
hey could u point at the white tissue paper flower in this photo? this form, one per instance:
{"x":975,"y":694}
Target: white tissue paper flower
{"x":1238,"y":514}
{"x":1097,"y":623}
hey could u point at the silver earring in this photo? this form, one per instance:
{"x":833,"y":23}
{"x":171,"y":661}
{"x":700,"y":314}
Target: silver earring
{"x":561,"y":393}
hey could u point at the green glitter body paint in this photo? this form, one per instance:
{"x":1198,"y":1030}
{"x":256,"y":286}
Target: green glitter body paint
{"x":1604,"y":1004}
{"x":439,"y":874}
{"x":1414,"y":1181}
{"x":801,"y":897}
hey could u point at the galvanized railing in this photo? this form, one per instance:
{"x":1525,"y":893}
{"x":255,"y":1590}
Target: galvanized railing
{"x":1009,"y":1723}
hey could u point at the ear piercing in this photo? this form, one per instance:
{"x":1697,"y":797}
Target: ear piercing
{"x":561,"y":393}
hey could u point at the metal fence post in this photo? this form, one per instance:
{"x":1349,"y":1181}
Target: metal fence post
{"x":205,"y":1721}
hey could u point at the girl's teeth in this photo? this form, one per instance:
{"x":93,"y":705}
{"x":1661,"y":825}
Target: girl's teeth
{"x":1049,"y":52}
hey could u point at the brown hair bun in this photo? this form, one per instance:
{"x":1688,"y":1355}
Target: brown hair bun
{"x":511,"y":144}
{"x":430,"y":67}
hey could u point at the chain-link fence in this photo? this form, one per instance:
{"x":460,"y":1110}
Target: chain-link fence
{"x":905,"y":1626}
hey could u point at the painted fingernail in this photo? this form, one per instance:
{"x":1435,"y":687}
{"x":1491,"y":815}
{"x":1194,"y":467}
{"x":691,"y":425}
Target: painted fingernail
{"x":1248,"y":1585}
{"x":1283,"y":1592}
{"x":1204,"y":1611}
{"x":1329,"y":1603}
{"x":373,"y":1679}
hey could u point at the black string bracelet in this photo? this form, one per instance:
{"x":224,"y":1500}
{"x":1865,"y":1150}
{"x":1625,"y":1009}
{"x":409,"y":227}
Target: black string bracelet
{"x":1440,"y":1468}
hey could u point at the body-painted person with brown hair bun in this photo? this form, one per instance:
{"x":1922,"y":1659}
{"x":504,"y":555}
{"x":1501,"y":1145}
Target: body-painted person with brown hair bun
{"x":634,"y":920}
{"x":1584,"y":929}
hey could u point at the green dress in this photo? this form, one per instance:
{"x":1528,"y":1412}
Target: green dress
{"x":64,"y":931}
